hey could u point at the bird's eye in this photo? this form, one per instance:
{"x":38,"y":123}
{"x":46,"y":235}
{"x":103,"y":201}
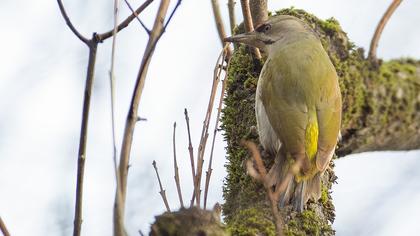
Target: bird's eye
{"x":264,"y":28}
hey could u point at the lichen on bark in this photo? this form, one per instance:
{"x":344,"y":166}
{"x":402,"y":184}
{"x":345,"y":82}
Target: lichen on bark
{"x":191,"y":221}
{"x":378,"y":105}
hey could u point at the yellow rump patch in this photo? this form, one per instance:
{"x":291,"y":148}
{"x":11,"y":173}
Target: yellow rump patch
{"x":311,"y":137}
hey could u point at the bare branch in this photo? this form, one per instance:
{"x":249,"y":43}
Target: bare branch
{"x":83,"y":137}
{"x":137,"y":17}
{"x":219,"y":109}
{"x":3,"y":228}
{"x":92,"y":44}
{"x":69,"y":24}
{"x":119,"y":220}
{"x":219,"y":24}
{"x":126,"y":22}
{"x":204,"y":131}
{"x":262,"y":174}
{"x":132,"y":117}
{"x":246,"y":12}
{"x":232,"y":18}
{"x":177,"y":182}
{"x":381,"y":25}
{"x":112,"y":84}
{"x":162,"y":191}
{"x":190,"y":147}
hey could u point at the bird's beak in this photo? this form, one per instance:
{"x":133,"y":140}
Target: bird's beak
{"x":249,"y":38}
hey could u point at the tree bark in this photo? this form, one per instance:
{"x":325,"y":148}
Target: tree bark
{"x":259,"y":11}
{"x":381,"y":111}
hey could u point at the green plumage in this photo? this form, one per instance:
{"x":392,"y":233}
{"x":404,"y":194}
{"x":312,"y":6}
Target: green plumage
{"x":298,"y":104}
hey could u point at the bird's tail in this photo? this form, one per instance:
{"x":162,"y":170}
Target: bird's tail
{"x":295,"y":193}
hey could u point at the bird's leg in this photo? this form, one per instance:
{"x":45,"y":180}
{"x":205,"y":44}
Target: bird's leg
{"x":298,"y":200}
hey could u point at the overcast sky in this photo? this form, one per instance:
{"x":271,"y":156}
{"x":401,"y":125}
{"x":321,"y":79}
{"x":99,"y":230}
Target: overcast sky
{"x":42,"y":73}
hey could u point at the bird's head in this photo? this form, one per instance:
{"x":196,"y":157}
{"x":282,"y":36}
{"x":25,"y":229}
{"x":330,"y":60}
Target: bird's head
{"x":276,"y":29}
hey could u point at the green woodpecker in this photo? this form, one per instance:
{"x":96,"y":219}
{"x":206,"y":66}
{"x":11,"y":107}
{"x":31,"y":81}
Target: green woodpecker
{"x":298,"y":106}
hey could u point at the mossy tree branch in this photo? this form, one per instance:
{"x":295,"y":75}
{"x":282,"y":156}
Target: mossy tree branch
{"x":381,"y":111}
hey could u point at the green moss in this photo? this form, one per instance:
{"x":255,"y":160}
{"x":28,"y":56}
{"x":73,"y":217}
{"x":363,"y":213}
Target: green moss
{"x":250,"y":222}
{"x":307,"y":223}
{"x":324,"y":195}
{"x":192,"y":221}
{"x":395,"y":94}
{"x":237,"y":119}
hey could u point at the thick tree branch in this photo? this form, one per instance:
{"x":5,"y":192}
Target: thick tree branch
{"x":259,"y":11}
{"x":390,"y":115}
{"x":381,"y":25}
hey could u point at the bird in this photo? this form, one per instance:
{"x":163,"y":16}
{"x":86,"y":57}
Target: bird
{"x":298,"y":106}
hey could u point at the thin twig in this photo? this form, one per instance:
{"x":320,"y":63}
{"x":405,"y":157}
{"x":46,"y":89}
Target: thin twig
{"x":263,"y":172}
{"x":261,"y":175}
{"x":137,"y":16}
{"x":70,"y":25}
{"x":191,"y":151}
{"x":125,"y":22}
{"x":132,"y":117}
{"x":246,"y":12}
{"x":178,"y":3}
{"x":112,"y":85}
{"x":219,"y":109}
{"x":381,"y":25}
{"x":232,"y":18}
{"x":83,"y":137}
{"x":92,"y":45}
{"x":162,"y":191}
{"x":3,"y":228}
{"x":204,"y":132}
{"x":177,"y":182}
{"x":117,"y":220}
{"x":219,"y":24}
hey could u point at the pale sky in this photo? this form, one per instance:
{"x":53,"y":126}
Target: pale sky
{"x":42,"y":71}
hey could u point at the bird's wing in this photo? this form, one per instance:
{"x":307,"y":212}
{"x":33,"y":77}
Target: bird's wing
{"x":329,"y":119}
{"x":268,"y":136}
{"x":284,"y":106}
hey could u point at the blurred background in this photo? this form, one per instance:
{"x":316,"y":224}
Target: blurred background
{"x":42,"y":74}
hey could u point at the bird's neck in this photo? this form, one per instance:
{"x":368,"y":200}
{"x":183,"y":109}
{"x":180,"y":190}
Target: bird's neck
{"x":290,"y":38}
